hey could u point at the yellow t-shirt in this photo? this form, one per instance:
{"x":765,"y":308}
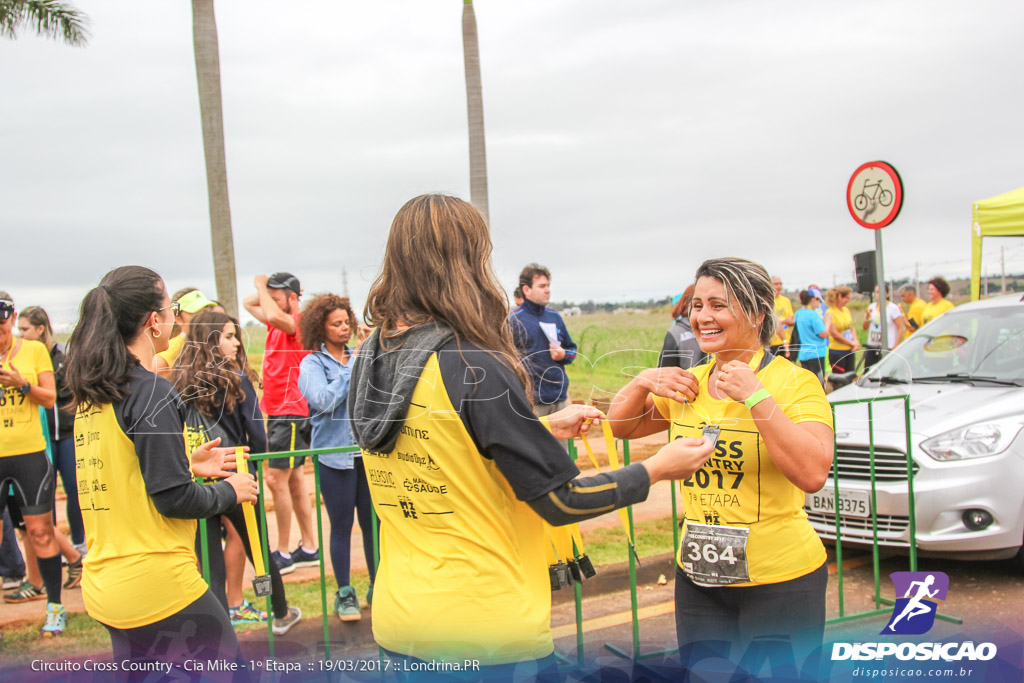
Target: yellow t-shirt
{"x":843,"y":320}
{"x":783,"y":309}
{"x":451,"y":524}
{"x":915,"y":312}
{"x":934,"y":310}
{"x":740,"y":486}
{"x":21,"y":430}
{"x":174,"y":348}
{"x":140,"y":566}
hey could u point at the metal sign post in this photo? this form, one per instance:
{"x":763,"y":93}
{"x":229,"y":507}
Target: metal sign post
{"x":874,"y":197}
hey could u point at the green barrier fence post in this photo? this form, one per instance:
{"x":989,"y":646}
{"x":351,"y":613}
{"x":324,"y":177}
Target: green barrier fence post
{"x":266,"y":552}
{"x":320,"y":540}
{"x":637,"y":656}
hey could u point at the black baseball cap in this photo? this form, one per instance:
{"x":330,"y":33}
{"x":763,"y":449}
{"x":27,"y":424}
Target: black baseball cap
{"x":284,"y":281}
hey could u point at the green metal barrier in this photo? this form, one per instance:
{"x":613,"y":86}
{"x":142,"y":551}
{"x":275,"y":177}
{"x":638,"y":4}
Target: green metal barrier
{"x":911,"y":511}
{"x":313,"y":454}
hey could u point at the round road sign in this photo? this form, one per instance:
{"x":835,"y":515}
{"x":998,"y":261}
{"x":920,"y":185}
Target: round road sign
{"x":874,"y":195}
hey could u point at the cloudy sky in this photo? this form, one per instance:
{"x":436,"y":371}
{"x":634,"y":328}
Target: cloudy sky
{"x":626,"y":142}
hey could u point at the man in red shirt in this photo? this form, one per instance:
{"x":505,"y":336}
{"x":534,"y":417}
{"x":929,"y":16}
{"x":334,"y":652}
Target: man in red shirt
{"x":276,"y":303}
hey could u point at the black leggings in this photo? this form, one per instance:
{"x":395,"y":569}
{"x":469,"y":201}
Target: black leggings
{"x":215,"y":554}
{"x":774,"y":621}
{"x":346,"y":494}
{"x":200,"y":632}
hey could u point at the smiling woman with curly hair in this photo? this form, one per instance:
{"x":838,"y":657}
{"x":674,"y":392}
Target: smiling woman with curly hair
{"x":325,"y":328}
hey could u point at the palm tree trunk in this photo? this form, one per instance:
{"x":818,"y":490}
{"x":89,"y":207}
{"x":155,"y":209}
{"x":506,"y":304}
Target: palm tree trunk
{"x":475,"y":105}
{"x":204,"y":34}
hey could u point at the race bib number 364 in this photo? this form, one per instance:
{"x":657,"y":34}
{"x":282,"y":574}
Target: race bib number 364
{"x":715,"y":555}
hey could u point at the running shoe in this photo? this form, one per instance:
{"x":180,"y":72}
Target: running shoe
{"x":285,"y":566}
{"x":26,"y":593}
{"x":282,"y":626}
{"x":10,"y":582}
{"x":303,"y":558}
{"x":369,"y":597}
{"x":346,"y":604}
{"x":246,"y":613}
{"x":56,"y":620}
{"x":74,"y":574}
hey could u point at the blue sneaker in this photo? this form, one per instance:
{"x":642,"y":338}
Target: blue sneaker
{"x":303,"y":558}
{"x":56,"y":620}
{"x":285,"y":566}
{"x":346,"y":605}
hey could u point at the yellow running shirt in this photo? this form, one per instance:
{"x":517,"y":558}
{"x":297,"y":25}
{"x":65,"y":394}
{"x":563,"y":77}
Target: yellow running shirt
{"x":783,"y":309}
{"x":915,"y":312}
{"x":740,"y":486}
{"x":933,"y":311}
{"x":141,"y":565}
{"x":463,"y":571}
{"x":843,"y":320}
{"x":174,"y":347}
{"x":21,"y":431}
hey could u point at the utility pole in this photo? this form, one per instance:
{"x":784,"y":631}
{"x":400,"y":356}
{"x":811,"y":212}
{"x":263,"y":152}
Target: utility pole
{"x":1002,"y":264}
{"x":917,"y":278}
{"x":344,"y":282}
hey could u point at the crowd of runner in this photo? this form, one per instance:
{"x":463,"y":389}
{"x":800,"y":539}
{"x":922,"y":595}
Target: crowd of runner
{"x":142,"y":412}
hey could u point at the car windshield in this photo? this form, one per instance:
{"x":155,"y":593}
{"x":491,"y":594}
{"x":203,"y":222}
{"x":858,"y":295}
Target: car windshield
{"x":977,"y":345}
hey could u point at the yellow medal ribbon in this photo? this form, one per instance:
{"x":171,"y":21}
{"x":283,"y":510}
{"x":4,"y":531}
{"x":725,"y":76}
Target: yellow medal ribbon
{"x":250,"y":521}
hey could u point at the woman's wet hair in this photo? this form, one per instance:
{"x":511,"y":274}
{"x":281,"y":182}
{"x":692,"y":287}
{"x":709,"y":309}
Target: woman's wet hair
{"x":748,"y":286}
{"x":111,"y":316}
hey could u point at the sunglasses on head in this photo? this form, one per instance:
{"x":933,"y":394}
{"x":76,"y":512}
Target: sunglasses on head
{"x":6,"y":309}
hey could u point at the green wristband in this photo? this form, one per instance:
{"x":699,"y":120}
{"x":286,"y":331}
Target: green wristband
{"x":757,"y":397}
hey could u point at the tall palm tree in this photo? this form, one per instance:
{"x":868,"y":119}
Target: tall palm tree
{"x":204,"y":36}
{"x":50,"y":18}
{"x":475,"y":105}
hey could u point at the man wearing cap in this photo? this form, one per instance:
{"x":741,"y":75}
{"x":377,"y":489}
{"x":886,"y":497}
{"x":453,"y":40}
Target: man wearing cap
{"x":276,"y":303}
{"x":190,"y":301}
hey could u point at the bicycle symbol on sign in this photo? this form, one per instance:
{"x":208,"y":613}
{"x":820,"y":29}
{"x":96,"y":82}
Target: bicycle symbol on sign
{"x":877,"y":194}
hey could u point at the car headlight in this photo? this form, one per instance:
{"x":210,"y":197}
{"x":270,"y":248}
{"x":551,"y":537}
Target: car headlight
{"x":978,"y":440}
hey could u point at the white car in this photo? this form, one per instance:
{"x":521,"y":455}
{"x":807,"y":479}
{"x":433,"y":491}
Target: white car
{"x":964,"y":374}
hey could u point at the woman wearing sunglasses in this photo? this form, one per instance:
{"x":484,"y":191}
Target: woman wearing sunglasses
{"x":139,"y":500}
{"x":26,"y":381}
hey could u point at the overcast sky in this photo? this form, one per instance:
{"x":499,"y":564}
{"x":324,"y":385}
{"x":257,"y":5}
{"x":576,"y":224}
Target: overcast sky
{"x":626,"y":142}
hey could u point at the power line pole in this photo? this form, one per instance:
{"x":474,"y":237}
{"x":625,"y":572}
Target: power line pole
{"x":344,"y":282}
{"x":1002,"y":263}
{"x":917,"y":278}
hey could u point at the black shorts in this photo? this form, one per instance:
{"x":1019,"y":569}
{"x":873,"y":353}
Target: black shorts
{"x":31,"y":476}
{"x":288,"y":433}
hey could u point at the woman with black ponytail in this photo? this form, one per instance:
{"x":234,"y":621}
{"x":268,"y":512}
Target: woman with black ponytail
{"x":139,"y":501}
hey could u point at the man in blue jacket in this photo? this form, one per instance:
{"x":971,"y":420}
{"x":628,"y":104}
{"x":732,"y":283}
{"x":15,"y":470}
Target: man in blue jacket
{"x":542,"y":339}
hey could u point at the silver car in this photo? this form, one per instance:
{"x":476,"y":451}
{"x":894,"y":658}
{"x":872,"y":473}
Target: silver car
{"x":964,"y":374}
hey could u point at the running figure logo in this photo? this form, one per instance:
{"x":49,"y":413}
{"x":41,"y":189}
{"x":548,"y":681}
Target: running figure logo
{"x":914,"y":612}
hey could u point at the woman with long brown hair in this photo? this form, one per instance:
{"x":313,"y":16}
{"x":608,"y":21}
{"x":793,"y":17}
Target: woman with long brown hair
{"x":460,"y":470}
{"x":220,"y":402}
{"x":140,"y":502}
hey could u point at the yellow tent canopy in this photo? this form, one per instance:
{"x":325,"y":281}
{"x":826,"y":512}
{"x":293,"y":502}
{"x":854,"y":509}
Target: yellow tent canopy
{"x":999,"y":216}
